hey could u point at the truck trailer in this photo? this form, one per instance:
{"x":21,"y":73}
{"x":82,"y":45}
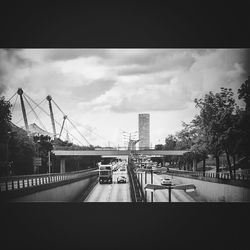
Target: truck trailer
{"x":105,"y":173}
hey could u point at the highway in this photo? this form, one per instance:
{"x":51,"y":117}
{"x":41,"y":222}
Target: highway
{"x":162,"y":195}
{"x":121,"y":192}
{"x":115,"y":192}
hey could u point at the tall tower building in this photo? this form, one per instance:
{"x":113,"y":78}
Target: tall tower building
{"x":144,"y":131}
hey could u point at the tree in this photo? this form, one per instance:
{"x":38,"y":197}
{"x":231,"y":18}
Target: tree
{"x":244,"y":93}
{"x":43,"y":146}
{"x":170,"y":142}
{"x":22,"y":151}
{"x":186,"y":139}
{"x":5,"y":129}
{"x":242,"y":125}
{"x":5,"y":118}
{"x":159,"y":147}
{"x":215,"y":119}
{"x":199,"y":149}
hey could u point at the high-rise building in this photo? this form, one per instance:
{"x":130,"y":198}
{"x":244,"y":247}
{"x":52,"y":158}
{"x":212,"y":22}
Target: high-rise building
{"x":144,"y":130}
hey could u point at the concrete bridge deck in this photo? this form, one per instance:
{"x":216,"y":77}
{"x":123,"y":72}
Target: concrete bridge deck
{"x":117,"y":152}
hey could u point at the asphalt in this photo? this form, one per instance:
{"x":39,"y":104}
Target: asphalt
{"x":115,"y":192}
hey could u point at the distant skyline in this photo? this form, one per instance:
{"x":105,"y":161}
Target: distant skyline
{"x":104,"y":90}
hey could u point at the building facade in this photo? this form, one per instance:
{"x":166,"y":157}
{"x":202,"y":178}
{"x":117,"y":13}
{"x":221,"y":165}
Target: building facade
{"x":144,"y":131}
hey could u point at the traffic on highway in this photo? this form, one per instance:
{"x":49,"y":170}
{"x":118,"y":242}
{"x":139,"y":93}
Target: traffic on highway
{"x":116,"y":190}
{"x":114,"y":185}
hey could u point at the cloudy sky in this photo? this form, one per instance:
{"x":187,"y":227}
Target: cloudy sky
{"x":104,"y":90}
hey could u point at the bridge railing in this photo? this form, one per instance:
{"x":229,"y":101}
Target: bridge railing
{"x":27,"y":181}
{"x":109,"y":148}
{"x":87,"y":149}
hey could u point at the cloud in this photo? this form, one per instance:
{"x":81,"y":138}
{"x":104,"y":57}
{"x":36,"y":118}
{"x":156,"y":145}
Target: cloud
{"x":2,"y":88}
{"x":140,"y":97}
{"x":122,"y":80}
{"x":221,"y":68}
{"x":10,"y":61}
{"x":107,"y":88}
{"x":151,"y":61}
{"x":93,"y":89}
{"x":191,"y":75}
{"x":69,"y":54}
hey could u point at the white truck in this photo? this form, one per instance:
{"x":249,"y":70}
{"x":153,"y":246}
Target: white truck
{"x":105,"y":173}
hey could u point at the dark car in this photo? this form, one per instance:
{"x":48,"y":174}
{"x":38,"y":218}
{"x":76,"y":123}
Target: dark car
{"x":121,"y":179}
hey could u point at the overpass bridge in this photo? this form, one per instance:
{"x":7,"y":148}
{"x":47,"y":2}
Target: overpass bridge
{"x":64,"y":154}
{"x":116,"y":152}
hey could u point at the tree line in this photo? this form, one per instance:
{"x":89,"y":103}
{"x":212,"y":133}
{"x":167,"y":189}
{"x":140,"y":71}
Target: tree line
{"x":220,"y":128}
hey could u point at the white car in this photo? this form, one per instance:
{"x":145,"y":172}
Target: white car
{"x":166,"y":181}
{"x":121,"y":179}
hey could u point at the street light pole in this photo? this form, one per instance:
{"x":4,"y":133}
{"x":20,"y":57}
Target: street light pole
{"x":169,"y":194}
{"x":152,"y":183}
{"x":141,"y":183}
{"x":49,"y":161}
{"x":186,"y":187}
{"x":145,"y":185}
{"x":7,"y":152}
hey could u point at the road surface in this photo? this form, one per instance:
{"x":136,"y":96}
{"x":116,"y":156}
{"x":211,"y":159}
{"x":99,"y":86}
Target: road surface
{"x":121,"y":192}
{"x":115,"y":192}
{"x":162,"y":195}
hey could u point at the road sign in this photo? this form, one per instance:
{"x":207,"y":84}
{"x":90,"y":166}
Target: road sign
{"x":185,"y":187}
{"x":37,"y":161}
{"x":153,"y":187}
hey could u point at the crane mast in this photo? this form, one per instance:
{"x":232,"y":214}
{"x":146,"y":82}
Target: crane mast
{"x":64,"y":118}
{"x":49,"y":98}
{"x":20,"y":93}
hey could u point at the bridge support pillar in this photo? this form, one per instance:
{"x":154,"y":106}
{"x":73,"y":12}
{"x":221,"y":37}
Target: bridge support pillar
{"x":194,"y":164}
{"x":62,"y":165}
{"x":163,"y":161}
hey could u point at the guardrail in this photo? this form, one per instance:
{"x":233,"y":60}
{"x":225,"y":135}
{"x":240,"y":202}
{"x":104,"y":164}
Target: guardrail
{"x":137,"y":195}
{"x":223,"y":176}
{"x":29,"y":181}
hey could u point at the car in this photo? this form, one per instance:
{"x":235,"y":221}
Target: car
{"x":121,"y":179}
{"x":166,"y":181}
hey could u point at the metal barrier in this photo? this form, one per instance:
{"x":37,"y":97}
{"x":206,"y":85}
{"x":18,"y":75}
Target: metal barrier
{"x":137,"y":194}
{"x":27,"y":181}
{"x":223,"y":176}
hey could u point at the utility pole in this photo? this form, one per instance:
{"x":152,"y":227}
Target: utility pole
{"x":20,"y":93}
{"x":49,"y":98}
